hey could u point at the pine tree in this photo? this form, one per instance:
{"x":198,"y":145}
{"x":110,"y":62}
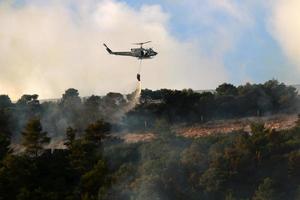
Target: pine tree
{"x":265,"y":190}
{"x":5,"y":133}
{"x":70,"y":137}
{"x":97,"y":131}
{"x":33,"y":138}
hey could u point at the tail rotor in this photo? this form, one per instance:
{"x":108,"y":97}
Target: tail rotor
{"x":107,"y":49}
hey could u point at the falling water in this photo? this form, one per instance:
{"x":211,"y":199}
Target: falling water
{"x":134,"y":98}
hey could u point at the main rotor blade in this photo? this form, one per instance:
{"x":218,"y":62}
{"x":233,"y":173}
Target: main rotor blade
{"x":141,"y":43}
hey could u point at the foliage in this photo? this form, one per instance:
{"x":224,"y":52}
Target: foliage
{"x":265,"y":190}
{"x":94,"y":164}
{"x":228,"y":101}
{"x":34,"y":138}
{"x":5,"y":101}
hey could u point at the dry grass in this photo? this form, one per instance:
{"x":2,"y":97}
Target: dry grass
{"x":278,"y":122}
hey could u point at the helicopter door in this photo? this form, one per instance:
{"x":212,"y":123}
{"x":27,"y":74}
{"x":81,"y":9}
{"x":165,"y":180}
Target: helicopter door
{"x":145,"y":53}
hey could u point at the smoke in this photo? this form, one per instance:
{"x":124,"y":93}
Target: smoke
{"x":47,"y":47}
{"x":132,"y":100}
{"x":285,"y":28}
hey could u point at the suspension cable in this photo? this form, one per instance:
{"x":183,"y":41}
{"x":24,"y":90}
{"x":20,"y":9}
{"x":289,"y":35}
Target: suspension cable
{"x":140,"y":66}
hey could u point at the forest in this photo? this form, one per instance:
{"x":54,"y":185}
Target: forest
{"x":92,"y":162}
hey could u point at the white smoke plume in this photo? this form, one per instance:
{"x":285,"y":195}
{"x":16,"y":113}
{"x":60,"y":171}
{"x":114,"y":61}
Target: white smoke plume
{"x":49,"y":46}
{"x":285,"y":27}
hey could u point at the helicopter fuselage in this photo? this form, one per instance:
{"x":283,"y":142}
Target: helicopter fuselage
{"x":143,"y":53}
{"x":140,"y":53}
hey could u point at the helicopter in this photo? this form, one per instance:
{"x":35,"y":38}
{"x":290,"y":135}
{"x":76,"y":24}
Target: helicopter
{"x":140,"y":53}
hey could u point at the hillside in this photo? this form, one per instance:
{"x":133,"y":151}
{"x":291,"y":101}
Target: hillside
{"x":163,"y":144}
{"x":217,"y":127}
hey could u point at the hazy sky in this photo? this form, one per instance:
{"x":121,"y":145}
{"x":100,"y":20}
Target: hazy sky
{"x":49,"y":46}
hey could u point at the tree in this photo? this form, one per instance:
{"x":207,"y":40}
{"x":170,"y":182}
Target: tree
{"x":293,"y":166}
{"x":265,"y":190}
{"x":92,"y":107}
{"x":4,"y":145}
{"x":95,"y":182}
{"x":111,"y":105}
{"x":227,"y":89}
{"x":298,"y":121}
{"x":33,"y":137}
{"x":97,"y":131}
{"x":27,"y":107}
{"x":114,"y":99}
{"x":71,"y":108}
{"x":5,"y":133}
{"x":71,"y":96}
{"x":93,"y":102}
{"x":28,"y":99}
{"x":5,"y":101}
{"x":70,"y":137}
{"x":84,"y":152}
{"x":229,"y":196}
